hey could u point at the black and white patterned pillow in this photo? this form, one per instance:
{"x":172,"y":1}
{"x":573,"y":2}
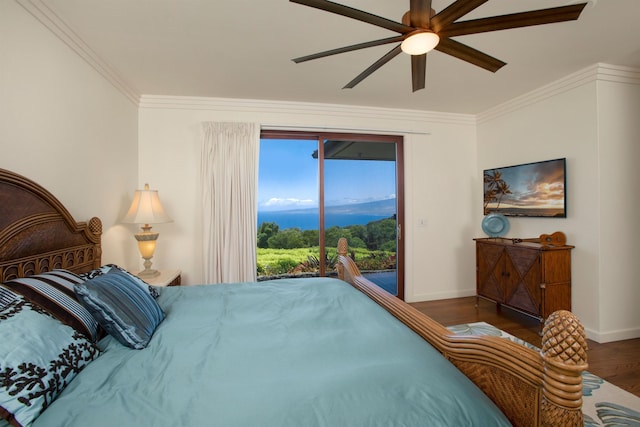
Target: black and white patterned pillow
{"x":53,"y":291}
{"x":113,"y":267}
{"x":39,"y":357}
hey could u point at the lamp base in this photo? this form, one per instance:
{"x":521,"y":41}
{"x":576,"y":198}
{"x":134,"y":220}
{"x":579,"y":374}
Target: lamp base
{"x":147,"y":246}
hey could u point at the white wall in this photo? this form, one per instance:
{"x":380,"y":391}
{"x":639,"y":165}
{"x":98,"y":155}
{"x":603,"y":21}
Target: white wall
{"x":619,"y":208}
{"x":593,"y":123}
{"x":440,"y":168}
{"x":66,"y":127}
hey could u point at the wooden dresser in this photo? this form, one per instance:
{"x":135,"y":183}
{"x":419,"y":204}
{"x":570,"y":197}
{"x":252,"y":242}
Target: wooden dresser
{"x":530,"y":277}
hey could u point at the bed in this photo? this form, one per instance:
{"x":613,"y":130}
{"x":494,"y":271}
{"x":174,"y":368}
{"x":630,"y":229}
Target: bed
{"x":292,"y":352}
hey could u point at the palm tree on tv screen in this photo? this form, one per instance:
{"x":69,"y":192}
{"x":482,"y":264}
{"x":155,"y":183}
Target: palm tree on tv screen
{"x":495,"y":188}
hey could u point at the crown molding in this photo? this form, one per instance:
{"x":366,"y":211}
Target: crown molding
{"x":301,"y":108}
{"x":596,"y":72}
{"x":60,"y":29}
{"x":618,"y":74}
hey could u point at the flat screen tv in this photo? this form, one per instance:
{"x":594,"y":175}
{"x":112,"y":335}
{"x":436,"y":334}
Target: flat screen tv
{"x":528,"y":190}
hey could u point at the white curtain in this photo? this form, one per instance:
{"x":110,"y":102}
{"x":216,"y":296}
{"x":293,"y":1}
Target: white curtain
{"x":229,"y":176}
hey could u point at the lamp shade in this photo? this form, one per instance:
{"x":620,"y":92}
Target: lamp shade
{"x":146,"y":208}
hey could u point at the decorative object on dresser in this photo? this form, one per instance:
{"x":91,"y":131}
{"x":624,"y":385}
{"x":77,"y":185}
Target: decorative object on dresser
{"x":495,"y":225}
{"x":532,"y":276}
{"x":165,"y":278}
{"x":146,"y":209}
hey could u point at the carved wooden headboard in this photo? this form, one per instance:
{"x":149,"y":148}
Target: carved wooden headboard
{"x":38,"y":234}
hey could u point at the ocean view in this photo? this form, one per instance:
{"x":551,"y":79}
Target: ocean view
{"x":340,"y":215}
{"x":309,"y":221}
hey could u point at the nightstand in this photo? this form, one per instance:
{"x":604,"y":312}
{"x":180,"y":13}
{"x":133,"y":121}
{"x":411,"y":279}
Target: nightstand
{"x":166,"y":278}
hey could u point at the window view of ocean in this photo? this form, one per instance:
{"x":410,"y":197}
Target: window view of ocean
{"x":359,"y":188}
{"x":309,"y":221}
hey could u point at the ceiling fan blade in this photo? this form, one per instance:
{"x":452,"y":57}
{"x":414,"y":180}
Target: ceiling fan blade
{"x":395,"y":39}
{"x":469,"y":54}
{"x":418,"y":71}
{"x":515,"y":20}
{"x":452,"y":12}
{"x":356,"y":14}
{"x":379,"y":63}
{"x":420,"y":13}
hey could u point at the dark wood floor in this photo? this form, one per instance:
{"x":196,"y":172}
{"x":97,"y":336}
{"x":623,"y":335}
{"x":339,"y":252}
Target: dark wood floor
{"x":617,"y":362}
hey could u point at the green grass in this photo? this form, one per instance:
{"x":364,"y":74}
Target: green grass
{"x":281,"y":261}
{"x":272,"y":256}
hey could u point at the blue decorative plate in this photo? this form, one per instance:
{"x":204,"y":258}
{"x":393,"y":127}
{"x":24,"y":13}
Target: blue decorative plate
{"x":495,"y":225}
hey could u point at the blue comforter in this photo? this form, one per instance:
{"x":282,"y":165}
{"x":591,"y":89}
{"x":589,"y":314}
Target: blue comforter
{"x":298,"y":353}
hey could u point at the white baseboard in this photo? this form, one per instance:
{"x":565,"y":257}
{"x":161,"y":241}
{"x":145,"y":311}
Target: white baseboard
{"x":610,"y":336}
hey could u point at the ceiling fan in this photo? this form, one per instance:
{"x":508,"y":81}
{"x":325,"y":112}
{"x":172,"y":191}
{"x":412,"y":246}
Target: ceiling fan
{"x":423,"y":30}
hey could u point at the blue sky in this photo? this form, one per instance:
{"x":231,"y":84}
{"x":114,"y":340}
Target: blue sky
{"x":288,"y":177}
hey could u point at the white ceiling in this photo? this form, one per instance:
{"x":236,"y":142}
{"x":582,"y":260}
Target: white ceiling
{"x":243,"y":49}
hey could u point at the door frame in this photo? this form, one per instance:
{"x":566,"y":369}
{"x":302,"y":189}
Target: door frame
{"x":365,"y":137}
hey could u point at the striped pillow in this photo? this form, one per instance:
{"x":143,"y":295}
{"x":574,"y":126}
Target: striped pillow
{"x":53,"y":291}
{"x":125,"y":310}
{"x":105,"y":269}
{"x":6,"y":297}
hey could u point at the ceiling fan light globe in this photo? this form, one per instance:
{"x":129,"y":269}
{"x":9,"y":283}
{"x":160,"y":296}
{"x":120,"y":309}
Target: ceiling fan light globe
{"x":420,"y":42}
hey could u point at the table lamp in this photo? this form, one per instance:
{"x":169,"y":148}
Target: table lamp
{"x":146,"y":209}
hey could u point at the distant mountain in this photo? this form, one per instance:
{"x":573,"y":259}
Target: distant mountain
{"x":380,"y":207}
{"x":385,"y":207}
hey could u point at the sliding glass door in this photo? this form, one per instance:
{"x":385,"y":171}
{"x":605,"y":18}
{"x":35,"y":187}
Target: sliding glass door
{"x":288,"y":215}
{"x":314,"y":189}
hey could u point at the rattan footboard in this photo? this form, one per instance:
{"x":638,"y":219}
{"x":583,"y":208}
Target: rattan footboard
{"x":532,"y":388}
